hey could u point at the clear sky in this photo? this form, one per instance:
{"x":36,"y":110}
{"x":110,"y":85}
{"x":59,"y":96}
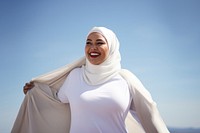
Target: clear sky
{"x":160,"y":43}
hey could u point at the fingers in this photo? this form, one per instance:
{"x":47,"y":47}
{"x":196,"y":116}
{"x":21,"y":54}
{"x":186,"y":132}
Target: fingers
{"x":28,"y":86}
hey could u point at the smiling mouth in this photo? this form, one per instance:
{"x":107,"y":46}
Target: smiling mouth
{"x":94,"y":54}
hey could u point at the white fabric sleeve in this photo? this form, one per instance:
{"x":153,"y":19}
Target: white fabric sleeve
{"x":144,"y":106}
{"x":146,"y":110}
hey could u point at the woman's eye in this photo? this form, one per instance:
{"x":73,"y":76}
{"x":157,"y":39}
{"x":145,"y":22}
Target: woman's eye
{"x":89,"y":43}
{"x":100,"y":43}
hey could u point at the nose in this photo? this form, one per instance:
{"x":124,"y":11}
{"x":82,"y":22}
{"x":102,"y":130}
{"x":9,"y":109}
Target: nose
{"x":93,"y":47}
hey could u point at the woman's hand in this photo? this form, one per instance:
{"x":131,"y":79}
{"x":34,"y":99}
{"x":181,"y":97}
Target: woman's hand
{"x":28,"y":86}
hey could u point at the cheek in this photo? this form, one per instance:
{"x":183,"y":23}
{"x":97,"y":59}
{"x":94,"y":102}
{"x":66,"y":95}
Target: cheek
{"x":106,"y":52}
{"x":86,"y":49}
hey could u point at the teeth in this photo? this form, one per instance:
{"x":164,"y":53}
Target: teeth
{"x":94,"y":54}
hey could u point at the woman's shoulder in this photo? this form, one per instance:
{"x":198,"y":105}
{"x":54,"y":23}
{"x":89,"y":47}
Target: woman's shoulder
{"x":119,"y":80}
{"x":130,"y":78}
{"x":128,"y":75}
{"x":74,"y":72}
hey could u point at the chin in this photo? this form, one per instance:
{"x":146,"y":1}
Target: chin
{"x":94,"y":62}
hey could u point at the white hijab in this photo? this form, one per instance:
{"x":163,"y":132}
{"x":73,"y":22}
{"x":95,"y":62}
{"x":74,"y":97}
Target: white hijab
{"x":98,"y":74}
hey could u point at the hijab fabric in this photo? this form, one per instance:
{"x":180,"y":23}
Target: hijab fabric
{"x":98,"y":74}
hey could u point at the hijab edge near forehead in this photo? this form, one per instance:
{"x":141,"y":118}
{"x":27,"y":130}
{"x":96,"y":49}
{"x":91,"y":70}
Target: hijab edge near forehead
{"x":101,"y":35}
{"x":106,"y":33}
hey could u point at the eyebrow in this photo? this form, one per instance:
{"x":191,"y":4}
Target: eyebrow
{"x":96,"y":40}
{"x":100,"y":40}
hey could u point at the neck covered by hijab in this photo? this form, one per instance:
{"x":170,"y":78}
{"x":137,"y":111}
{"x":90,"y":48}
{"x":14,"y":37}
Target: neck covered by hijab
{"x":99,"y":74}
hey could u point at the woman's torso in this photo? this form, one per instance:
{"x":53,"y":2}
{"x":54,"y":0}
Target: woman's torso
{"x":96,"y":108}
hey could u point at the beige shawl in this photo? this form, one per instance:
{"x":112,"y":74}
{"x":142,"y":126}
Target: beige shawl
{"x":42,"y":112}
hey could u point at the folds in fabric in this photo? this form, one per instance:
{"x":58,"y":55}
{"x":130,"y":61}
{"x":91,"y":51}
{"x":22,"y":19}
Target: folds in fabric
{"x":41,"y":112}
{"x":144,"y":106}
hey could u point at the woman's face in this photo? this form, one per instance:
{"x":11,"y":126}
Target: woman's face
{"x":96,"y":48}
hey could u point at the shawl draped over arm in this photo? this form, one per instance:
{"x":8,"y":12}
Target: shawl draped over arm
{"x":42,"y":112}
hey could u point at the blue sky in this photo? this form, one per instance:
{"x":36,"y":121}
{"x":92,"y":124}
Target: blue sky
{"x":160,"y":43}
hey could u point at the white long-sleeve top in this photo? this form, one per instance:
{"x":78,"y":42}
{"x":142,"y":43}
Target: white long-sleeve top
{"x":96,"y":108}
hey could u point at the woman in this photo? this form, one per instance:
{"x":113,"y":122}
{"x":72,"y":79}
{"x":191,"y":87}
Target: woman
{"x":97,"y":92}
